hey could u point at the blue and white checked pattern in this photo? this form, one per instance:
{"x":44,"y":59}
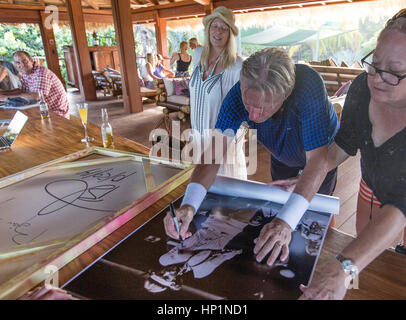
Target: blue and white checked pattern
{"x":307,"y":122}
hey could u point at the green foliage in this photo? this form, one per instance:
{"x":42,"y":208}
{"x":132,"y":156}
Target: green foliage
{"x":25,"y":37}
{"x":346,"y":47}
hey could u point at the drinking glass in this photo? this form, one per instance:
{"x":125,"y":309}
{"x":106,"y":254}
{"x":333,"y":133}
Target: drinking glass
{"x":83,"y":110}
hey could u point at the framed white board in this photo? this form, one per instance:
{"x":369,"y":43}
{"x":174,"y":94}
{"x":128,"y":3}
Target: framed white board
{"x":52,"y":213}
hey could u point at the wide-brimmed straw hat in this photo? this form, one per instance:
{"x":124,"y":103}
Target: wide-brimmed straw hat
{"x":224,"y":14}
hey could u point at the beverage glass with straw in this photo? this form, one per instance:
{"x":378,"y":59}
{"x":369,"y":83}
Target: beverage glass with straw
{"x":83,"y":110}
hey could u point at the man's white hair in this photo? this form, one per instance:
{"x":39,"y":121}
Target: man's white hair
{"x":270,"y":70}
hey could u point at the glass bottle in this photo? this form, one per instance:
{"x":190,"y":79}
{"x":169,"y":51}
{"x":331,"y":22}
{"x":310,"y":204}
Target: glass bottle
{"x":95,"y":39}
{"x":106,"y":130}
{"x":43,"y":106}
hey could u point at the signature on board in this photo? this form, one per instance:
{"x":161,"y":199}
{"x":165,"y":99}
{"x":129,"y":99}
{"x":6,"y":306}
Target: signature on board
{"x":81,"y":195}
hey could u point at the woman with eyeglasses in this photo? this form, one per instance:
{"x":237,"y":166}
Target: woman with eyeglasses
{"x":373,"y":122}
{"x":216,"y":72}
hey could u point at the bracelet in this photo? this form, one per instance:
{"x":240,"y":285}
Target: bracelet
{"x":293,"y":210}
{"x":194,"y":195}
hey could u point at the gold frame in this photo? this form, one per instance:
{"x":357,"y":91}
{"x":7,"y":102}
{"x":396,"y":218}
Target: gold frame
{"x":75,"y":246}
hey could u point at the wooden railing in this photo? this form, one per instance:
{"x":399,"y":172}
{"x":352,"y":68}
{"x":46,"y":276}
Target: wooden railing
{"x":335,"y":77}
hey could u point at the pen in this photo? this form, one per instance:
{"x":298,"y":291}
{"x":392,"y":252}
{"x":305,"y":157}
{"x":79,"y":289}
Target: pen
{"x":176,"y":222}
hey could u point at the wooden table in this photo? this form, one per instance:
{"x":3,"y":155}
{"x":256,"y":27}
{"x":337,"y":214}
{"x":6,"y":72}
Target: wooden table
{"x":43,"y":141}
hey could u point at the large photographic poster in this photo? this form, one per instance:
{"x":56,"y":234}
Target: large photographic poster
{"x":216,"y":262}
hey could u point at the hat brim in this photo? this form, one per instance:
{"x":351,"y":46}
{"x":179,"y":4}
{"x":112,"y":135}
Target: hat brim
{"x":208,"y":19}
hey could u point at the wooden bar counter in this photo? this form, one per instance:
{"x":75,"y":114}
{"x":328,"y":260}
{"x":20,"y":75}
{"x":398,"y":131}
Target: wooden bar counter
{"x":41,"y":141}
{"x":45,"y":140}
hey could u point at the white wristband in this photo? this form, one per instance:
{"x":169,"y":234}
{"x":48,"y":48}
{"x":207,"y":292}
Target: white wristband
{"x":293,"y":210}
{"x":194,"y":195}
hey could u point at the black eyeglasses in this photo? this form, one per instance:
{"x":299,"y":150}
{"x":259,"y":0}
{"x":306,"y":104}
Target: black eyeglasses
{"x":386,"y":76}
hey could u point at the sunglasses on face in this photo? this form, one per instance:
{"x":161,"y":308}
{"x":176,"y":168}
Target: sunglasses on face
{"x":221,"y":28}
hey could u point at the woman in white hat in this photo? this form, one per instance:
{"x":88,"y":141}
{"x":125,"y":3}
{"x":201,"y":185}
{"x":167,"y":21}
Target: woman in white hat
{"x":216,"y":73}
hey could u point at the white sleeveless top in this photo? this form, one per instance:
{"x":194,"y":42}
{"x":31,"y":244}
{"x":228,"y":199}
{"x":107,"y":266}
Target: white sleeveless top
{"x":144,"y":73}
{"x":206,"y":98}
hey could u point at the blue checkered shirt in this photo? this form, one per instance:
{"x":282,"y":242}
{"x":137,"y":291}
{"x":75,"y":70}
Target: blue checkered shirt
{"x":308,"y":120}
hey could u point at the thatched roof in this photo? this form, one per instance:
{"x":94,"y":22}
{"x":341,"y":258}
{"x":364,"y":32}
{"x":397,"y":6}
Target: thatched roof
{"x":90,"y":4}
{"x":276,"y":12}
{"x":348,"y":12}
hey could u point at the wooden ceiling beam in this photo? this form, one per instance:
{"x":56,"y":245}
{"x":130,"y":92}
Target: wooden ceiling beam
{"x":178,"y":9}
{"x":278,"y":4}
{"x":203,"y":2}
{"x":154,"y":2}
{"x":60,"y":9}
{"x":92,"y":3}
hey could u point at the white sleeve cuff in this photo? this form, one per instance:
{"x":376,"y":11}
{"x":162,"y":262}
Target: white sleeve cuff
{"x":293,"y":210}
{"x":194,"y":195}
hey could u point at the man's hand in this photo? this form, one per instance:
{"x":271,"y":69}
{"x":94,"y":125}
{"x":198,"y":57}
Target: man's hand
{"x":185,"y":217}
{"x":46,"y":292}
{"x":330,"y":284}
{"x":288,"y":184}
{"x":275,"y":237}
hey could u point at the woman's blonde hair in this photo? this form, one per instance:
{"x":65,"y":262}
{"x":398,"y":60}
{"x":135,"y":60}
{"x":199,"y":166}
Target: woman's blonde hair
{"x":229,"y":54}
{"x":150,"y":58}
{"x":183,"y":44}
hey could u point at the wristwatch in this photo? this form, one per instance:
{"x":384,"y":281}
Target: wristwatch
{"x":348,"y":266}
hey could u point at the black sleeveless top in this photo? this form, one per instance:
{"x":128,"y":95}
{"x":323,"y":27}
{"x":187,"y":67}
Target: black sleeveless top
{"x":181,"y":65}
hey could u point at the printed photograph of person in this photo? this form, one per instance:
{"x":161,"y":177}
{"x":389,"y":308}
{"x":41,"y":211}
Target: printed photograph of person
{"x":216,"y":262}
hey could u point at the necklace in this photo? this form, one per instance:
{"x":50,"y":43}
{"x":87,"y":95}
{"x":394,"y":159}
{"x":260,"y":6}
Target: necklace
{"x":214,"y":67}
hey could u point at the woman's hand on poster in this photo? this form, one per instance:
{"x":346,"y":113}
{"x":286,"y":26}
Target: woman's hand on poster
{"x":185,"y":217}
{"x":46,"y":292}
{"x":274,"y":238}
{"x":329,"y":284}
{"x":287,"y":184}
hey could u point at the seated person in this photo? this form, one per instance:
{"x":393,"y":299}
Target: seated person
{"x":182,"y":59}
{"x":160,"y":70}
{"x":36,"y":78}
{"x":8,"y":80}
{"x":147,"y":72}
{"x":10,"y":67}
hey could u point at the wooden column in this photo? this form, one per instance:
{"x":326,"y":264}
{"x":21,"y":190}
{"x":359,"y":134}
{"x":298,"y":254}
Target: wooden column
{"x":51,"y":52}
{"x":208,"y":8}
{"x":126,"y":50}
{"x":162,"y":38}
{"x":77,"y":24}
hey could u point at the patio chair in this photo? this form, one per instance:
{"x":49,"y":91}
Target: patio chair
{"x":102,"y":82}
